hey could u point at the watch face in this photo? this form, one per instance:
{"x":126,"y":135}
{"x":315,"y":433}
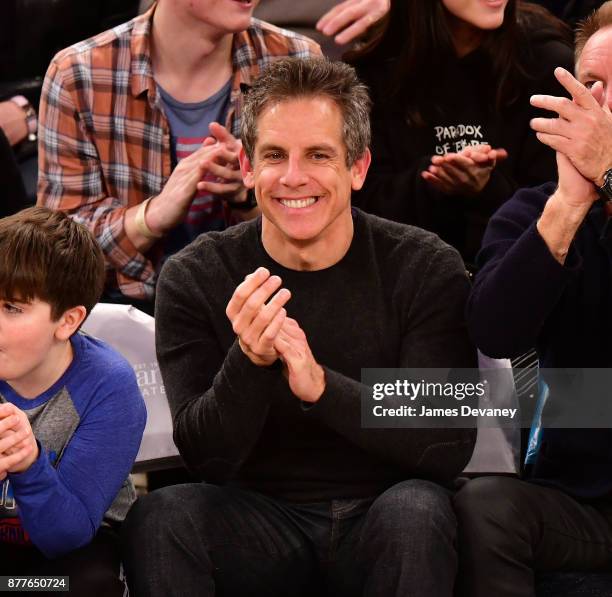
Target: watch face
{"x":606,"y":189}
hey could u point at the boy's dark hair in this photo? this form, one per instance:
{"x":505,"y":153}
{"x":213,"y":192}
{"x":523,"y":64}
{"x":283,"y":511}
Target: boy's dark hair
{"x":45,"y":255}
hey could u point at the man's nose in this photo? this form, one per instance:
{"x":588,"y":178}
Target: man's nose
{"x":294,"y":175}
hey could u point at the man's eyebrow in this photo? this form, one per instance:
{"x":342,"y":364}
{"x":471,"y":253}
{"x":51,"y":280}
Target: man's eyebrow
{"x":318,"y":147}
{"x":269,"y":147}
{"x":323,"y":147}
{"x":589,"y":75}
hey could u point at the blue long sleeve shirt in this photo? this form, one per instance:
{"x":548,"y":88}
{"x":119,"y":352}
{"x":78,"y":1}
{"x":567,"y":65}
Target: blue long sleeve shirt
{"x":88,"y":425}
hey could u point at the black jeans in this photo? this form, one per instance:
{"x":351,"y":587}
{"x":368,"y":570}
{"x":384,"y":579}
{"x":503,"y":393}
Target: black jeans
{"x":204,"y":540}
{"x":94,"y":570}
{"x":510,"y":529}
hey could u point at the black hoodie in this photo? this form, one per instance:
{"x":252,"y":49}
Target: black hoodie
{"x":394,"y":187}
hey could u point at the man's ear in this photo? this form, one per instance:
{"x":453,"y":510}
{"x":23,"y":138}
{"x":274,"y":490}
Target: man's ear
{"x":359,"y":169}
{"x":246,"y":170}
{"x":69,"y":322}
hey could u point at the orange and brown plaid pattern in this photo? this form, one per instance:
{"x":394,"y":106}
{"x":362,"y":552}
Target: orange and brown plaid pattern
{"x":104,"y":142}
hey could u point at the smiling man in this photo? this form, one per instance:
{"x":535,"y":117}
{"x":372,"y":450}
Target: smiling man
{"x":138,"y":130}
{"x":262,"y":333}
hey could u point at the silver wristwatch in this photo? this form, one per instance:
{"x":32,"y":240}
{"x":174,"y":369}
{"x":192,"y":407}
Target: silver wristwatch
{"x":605,"y":190}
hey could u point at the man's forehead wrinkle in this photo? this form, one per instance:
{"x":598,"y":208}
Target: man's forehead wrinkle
{"x":270,"y":145}
{"x":596,"y":55}
{"x":273,"y":144}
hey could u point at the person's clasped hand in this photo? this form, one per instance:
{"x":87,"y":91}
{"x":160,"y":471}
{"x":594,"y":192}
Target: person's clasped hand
{"x":224,"y":178}
{"x":265,"y":333}
{"x":18,"y":447}
{"x":305,"y":376}
{"x":464,"y":173}
{"x":583,"y":130}
{"x":256,"y":312}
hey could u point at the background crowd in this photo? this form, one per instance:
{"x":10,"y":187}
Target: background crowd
{"x":108,"y":116}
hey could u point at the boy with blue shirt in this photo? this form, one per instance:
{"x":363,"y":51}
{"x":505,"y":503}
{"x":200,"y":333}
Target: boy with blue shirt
{"x":71,"y":414}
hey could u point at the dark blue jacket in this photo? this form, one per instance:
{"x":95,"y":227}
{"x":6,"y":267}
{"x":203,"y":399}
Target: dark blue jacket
{"x":522,"y":297}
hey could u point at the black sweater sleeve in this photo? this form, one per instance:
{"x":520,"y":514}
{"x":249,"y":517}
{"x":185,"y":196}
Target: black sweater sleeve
{"x":219,"y":399}
{"x":434,"y":335}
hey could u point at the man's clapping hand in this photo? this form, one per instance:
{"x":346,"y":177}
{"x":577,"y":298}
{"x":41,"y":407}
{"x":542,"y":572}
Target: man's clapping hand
{"x":256,"y":318}
{"x":305,"y":376}
{"x":583,"y":129}
{"x":265,"y":333}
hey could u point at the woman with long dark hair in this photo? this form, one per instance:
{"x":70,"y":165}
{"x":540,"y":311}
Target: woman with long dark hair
{"x":451,"y":81}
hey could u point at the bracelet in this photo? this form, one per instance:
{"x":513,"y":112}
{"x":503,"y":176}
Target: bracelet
{"x":141,"y":223}
{"x":249,"y":203}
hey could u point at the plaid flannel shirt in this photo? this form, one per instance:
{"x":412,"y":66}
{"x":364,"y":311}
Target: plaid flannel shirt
{"x":104,"y":142}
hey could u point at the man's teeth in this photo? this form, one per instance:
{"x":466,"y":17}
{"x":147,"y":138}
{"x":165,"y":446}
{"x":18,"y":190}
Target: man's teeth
{"x":297,"y":203}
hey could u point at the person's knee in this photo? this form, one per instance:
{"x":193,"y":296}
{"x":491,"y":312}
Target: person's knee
{"x":489,"y":505}
{"x":155,"y":515}
{"x":144,"y":515}
{"x":412,"y":509}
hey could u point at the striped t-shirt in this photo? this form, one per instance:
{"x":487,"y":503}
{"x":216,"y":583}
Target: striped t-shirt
{"x":189,"y":124}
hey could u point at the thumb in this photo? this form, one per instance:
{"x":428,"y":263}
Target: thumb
{"x":500,"y":154}
{"x":478,"y":157}
{"x":281,"y":343}
{"x":482,"y":147}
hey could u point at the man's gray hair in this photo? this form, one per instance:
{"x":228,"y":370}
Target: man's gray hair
{"x":295,"y":78}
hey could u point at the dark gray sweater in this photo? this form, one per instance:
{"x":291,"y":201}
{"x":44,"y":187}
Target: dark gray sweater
{"x":396,"y":299}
